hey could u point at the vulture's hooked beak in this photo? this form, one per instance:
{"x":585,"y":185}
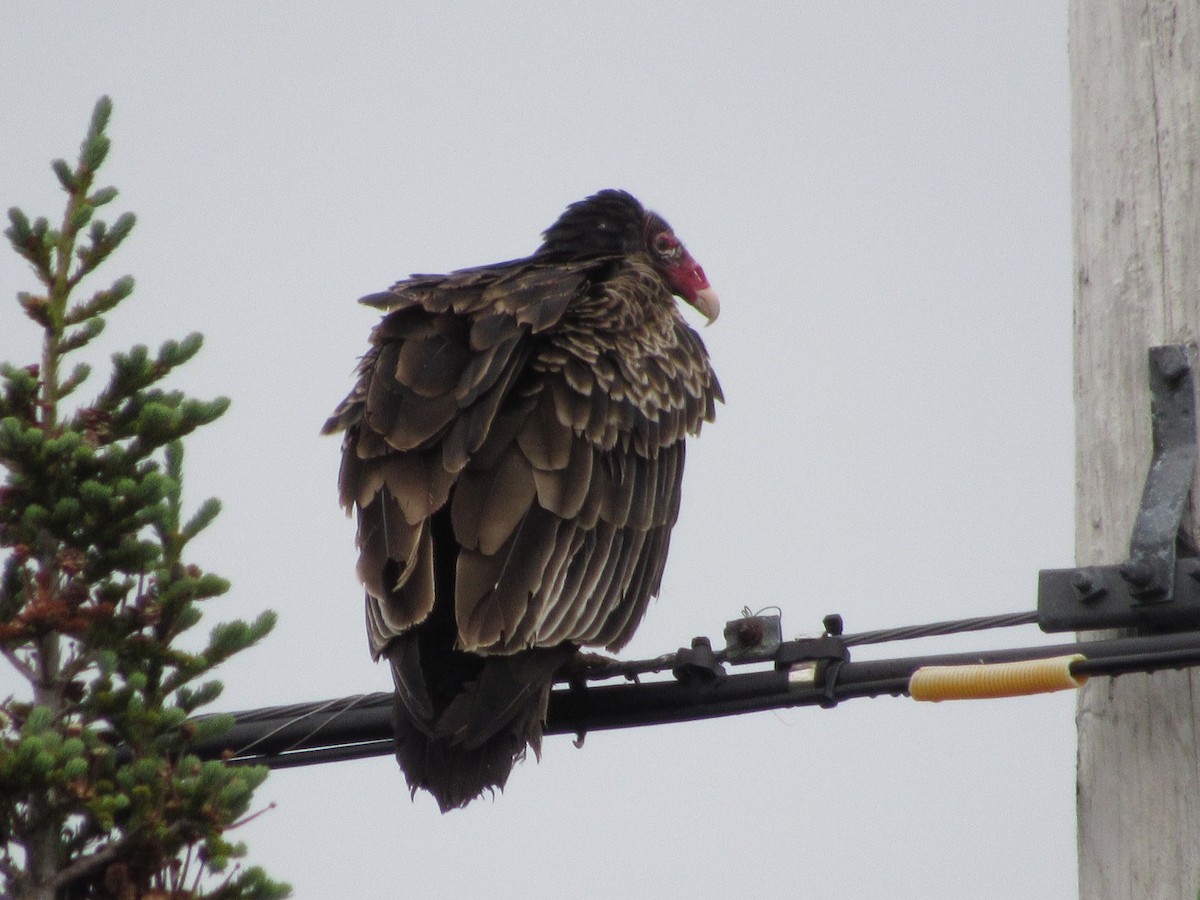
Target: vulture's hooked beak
{"x":707,"y":304}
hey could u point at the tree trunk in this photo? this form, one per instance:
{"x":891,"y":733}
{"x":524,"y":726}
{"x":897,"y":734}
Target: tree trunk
{"x":1135,"y":123}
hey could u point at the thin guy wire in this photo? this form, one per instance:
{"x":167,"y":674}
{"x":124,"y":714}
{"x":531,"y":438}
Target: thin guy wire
{"x":937,"y":629}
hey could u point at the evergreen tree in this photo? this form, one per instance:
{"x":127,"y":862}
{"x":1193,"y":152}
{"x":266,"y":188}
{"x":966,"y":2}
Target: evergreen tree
{"x":99,"y":794}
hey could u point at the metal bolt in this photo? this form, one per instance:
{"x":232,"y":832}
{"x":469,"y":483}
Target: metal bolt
{"x":1137,"y":573}
{"x":1088,"y":584}
{"x":747,"y":632}
{"x":1083,"y":581}
{"x":1173,"y":365}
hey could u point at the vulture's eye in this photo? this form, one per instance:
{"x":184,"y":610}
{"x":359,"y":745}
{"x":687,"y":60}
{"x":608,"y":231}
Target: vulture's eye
{"x":665,"y":243}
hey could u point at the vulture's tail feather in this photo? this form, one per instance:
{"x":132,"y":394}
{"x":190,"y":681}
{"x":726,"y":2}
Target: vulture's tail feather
{"x":461,"y":722}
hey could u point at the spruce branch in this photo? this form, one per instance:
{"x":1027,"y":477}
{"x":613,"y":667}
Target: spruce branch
{"x":98,"y":791}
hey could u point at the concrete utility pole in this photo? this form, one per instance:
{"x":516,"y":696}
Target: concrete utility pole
{"x":1135,"y":130}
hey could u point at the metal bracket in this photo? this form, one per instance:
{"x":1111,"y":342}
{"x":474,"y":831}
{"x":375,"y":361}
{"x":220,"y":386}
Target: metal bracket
{"x":1152,"y":590}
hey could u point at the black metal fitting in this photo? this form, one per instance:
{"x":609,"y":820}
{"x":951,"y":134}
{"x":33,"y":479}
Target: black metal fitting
{"x":820,"y":659}
{"x":822,"y":649}
{"x":1153,"y":590}
{"x":698,"y":665}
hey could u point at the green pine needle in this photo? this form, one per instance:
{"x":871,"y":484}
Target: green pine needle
{"x":95,"y":590}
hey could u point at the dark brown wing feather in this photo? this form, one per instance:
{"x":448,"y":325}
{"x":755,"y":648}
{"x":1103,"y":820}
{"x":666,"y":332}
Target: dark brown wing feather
{"x":514,"y":447}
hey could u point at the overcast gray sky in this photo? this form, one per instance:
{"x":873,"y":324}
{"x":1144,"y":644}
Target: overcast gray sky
{"x":879,"y":192}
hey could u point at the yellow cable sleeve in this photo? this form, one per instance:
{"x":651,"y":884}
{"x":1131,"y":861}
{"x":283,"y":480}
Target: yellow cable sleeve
{"x":984,"y":682}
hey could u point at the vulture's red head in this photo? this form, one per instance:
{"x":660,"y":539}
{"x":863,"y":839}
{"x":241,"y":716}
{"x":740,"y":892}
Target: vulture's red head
{"x":613,"y":222}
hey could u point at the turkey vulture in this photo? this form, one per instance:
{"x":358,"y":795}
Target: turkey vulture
{"x":514,"y":446}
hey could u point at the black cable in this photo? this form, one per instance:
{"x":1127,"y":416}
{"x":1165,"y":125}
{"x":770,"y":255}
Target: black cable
{"x":357,"y":727}
{"x":1180,"y":658}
